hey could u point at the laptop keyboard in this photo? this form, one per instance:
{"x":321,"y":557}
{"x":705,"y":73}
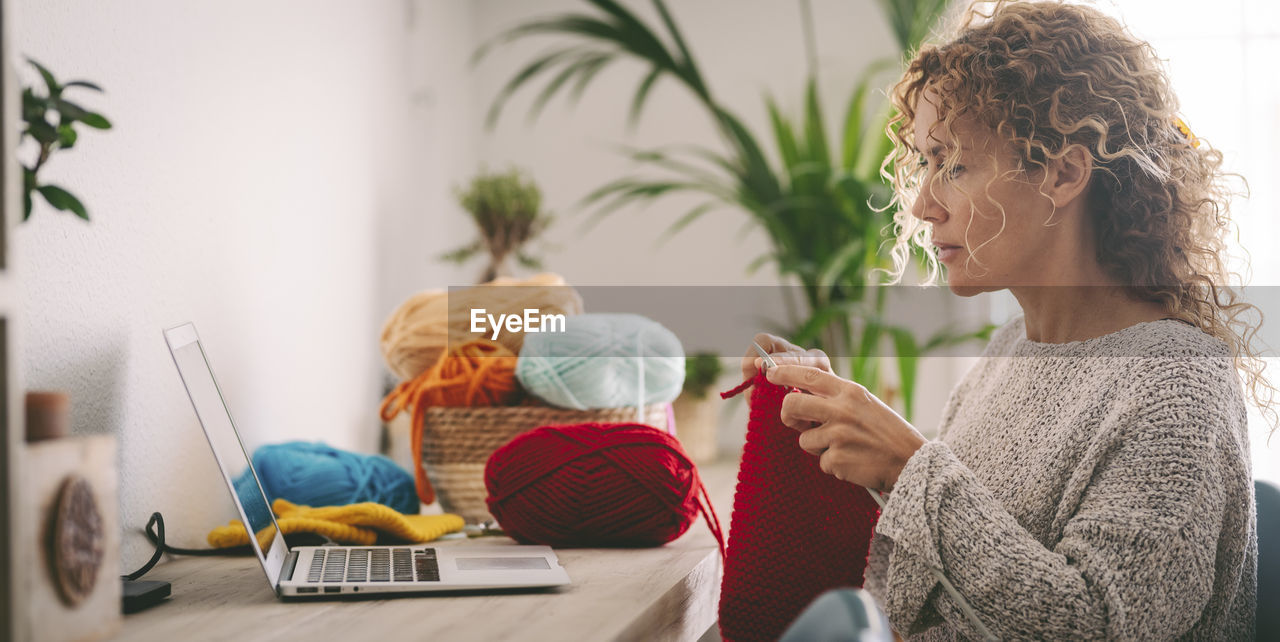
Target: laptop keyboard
{"x":374,"y":565}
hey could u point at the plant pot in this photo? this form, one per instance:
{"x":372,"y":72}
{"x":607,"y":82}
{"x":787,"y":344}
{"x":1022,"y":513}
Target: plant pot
{"x":696,"y":423}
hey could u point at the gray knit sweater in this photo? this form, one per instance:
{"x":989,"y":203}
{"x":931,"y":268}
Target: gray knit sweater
{"x":1085,"y":490}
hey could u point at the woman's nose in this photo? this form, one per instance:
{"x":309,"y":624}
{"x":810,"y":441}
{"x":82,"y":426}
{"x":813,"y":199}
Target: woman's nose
{"x":926,"y":207}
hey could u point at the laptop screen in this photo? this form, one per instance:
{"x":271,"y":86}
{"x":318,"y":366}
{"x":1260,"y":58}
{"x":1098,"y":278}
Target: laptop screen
{"x":215,"y":417}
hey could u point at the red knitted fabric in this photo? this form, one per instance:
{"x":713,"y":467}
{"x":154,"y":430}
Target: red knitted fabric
{"x":796,"y":531}
{"x":596,"y":485}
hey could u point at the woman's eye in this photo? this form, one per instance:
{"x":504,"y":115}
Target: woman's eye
{"x":955,"y":171}
{"x":923,"y":163}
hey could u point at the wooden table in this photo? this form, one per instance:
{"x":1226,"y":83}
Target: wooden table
{"x":665,"y":593}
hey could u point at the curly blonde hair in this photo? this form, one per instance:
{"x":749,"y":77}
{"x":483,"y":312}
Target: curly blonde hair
{"x":1046,"y":76}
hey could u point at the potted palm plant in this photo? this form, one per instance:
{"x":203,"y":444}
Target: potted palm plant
{"x":822,"y":201}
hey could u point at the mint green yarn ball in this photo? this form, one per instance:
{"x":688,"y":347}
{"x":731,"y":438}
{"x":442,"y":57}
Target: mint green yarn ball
{"x":602,"y":361}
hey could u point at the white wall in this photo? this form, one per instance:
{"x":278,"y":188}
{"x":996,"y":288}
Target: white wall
{"x":257,"y":163}
{"x":439,"y":141}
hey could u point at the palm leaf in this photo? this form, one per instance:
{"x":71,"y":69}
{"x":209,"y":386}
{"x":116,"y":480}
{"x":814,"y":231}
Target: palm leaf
{"x":684,"y":221}
{"x":875,"y":146}
{"x":782,"y":135}
{"x":527,"y":73}
{"x":688,"y":67}
{"x":814,"y":128}
{"x":862,"y":359}
{"x":642,"y":92}
{"x":948,"y":337}
{"x":622,"y":32}
{"x":757,"y":172}
{"x":849,"y":256}
{"x":855,"y":126}
{"x":668,"y":159}
{"x":853,"y":195}
{"x":811,"y":329}
{"x":911,"y":20}
{"x":759,"y":262}
{"x":907,"y":354}
{"x":641,"y":39}
{"x":584,"y":62}
{"x":729,"y":166}
{"x":584,"y":78}
{"x":627,"y":191}
{"x":575,"y":25}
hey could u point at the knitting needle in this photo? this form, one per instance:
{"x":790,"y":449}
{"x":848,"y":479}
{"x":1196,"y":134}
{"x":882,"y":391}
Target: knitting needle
{"x":937,"y":574}
{"x":951,"y":590}
{"x":764,"y":354}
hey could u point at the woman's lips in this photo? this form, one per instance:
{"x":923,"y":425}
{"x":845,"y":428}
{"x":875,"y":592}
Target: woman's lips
{"x":948,"y":252}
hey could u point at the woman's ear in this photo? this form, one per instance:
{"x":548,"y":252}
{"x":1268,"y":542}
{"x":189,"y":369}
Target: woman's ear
{"x":1069,"y":175}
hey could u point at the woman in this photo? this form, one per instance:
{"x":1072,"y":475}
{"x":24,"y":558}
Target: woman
{"x":1091,"y":478}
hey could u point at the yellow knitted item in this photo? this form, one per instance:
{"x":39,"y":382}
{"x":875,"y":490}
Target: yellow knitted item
{"x":357,"y":524}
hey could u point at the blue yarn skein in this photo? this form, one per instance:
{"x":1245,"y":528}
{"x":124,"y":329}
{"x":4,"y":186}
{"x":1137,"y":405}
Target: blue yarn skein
{"x":597,"y":362}
{"x":316,"y":474}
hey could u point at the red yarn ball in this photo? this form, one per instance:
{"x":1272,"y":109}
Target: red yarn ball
{"x":593,"y":485}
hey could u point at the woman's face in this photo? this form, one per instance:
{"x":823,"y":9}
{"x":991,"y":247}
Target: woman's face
{"x":988,"y":216}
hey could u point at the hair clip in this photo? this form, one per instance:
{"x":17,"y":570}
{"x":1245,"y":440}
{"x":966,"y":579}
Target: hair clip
{"x":1182,"y":127}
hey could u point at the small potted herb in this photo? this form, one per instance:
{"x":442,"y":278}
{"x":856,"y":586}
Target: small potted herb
{"x":695,"y":409}
{"x":507,"y":210}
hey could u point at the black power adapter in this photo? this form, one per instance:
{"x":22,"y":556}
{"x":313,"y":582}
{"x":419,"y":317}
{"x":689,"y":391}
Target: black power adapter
{"x":141,"y":594}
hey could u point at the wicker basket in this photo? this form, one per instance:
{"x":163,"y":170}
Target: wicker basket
{"x":457,"y":441}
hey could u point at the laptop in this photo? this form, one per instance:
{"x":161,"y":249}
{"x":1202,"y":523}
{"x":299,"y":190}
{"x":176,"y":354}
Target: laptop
{"x":331,"y":571}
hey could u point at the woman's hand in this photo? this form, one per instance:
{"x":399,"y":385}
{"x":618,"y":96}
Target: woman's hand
{"x":856,"y":437}
{"x":783,"y":352}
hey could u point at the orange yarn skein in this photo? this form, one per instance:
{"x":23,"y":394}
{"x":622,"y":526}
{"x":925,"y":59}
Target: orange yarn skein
{"x":429,"y":323}
{"x":475,"y":373}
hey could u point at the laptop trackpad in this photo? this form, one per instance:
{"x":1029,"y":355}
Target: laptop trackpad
{"x":502,"y":563}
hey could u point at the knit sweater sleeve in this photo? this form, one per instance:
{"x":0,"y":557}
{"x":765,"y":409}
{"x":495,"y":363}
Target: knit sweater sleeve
{"x":1135,"y":560}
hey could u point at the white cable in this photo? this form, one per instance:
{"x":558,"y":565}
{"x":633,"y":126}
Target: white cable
{"x":951,"y":590}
